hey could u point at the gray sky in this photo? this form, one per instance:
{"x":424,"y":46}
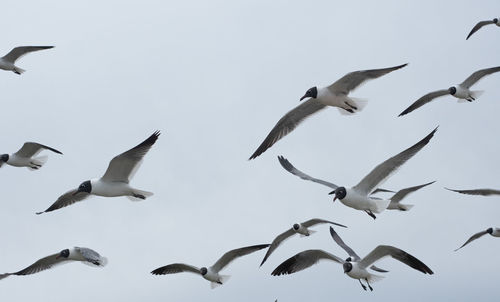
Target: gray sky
{"x":214,"y":77}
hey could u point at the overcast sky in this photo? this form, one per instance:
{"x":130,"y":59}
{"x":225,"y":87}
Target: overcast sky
{"x":215,"y":77}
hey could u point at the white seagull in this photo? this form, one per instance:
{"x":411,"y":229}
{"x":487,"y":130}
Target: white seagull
{"x":358,"y":197}
{"x":25,"y":157}
{"x":354,"y":267}
{"x":297,"y":228}
{"x":481,"y":24}
{"x":495,"y":232}
{"x":335,"y":95}
{"x":115,"y":181}
{"x":461,"y":91}
{"x":7,"y":62}
{"x":482,"y":192}
{"x":83,"y":254}
{"x":211,"y":273}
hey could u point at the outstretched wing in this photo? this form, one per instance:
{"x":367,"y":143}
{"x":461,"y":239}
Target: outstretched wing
{"x":315,"y":221}
{"x":381,"y":172}
{"x":122,"y":166}
{"x":236,"y":253}
{"x":344,"y":246}
{"x":276,"y":242}
{"x":66,"y":199}
{"x":302,"y":261}
{"x":30,"y":149}
{"x":473,"y":237}
{"x":424,"y":100}
{"x":40,"y":265}
{"x":176,"y":268}
{"x":288,"y":123}
{"x":20,"y":51}
{"x":290,"y":168}
{"x":483,"y":192}
{"x":478,"y":26}
{"x":382,"y":251}
{"x":353,"y":79}
{"x":403,"y":192}
{"x":478,"y":75}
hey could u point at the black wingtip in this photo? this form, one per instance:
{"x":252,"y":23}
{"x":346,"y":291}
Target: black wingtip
{"x":39,"y":213}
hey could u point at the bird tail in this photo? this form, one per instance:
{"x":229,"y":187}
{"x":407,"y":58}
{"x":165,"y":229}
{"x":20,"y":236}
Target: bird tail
{"x":380,"y":205}
{"x":310,"y":233}
{"x":222,"y":280}
{"x":374,"y":278}
{"x":476,"y":93}
{"x":352,"y":105}
{"x":18,"y":70}
{"x":38,"y":162}
{"x":405,"y":207}
{"x":101,"y":263}
{"x":139,"y":195}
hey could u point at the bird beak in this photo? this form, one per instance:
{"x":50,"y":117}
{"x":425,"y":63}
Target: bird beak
{"x":334,"y":198}
{"x":302,"y":98}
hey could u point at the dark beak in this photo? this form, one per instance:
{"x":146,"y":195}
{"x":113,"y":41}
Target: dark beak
{"x":305,"y":96}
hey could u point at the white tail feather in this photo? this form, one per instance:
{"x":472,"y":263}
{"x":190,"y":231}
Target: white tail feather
{"x":223,"y":279}
{"x":375,"y":278}
{"x":380,"y":205}
{"x":38,"y":162}
{"x":476,"y":93}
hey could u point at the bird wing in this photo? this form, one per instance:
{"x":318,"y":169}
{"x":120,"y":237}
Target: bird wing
{"x":473,"y":237}
{"x":20,"y":51}
{"x":40,"y":265}
{"x":403,"y":192}
{"x":483,"y":192}
{"x":66,"y":199}
{"x":424,"y":100}
{"x":122,"y":167}
{"x":176,"y":268}
{"x":382,"y":251}
{"x":302,"y":261}
{"x":384,"y":170}
{"x":315,"y":221}
{"x":30,"y":149}
{"x":382,"y":190}
{"x":478,"y":26}
{"x":276,"y":242}
{"x":353,"y":79}
{"x":290,"y":168}
{"x":288,"y":123}
{"x":344,"y":246}
{"x":233,"y":254}
{"x":476,"y":76}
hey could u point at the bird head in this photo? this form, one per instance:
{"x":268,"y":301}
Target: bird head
{"x":3,"y":159}
{"x":339,"y":192}
{"x":489,"y":231}
{"x":203,"y":271}
{"x":452,"y":90}
{"x":310,"y":93}
{"x":85,"y":186}
{"x":347,"y":267}
{"x":296,"y":226}
{"x":63,"y":254}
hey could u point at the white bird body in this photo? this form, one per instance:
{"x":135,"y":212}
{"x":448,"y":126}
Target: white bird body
{"x":19,"y":161}
{"x":496,"y":231}
{"x":104,"y":188}
{"x":360,"y":273}
{"x":358,"y":201}
{"x":25,"y":157}
{"x":465,"y":93}
{"x":6,"y":65}
{"x":214,"y":277}
{"x":302,"y":230}
{"x":329,"y":98}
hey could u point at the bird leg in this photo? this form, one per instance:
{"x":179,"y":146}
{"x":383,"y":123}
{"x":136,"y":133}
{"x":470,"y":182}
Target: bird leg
{"x":368,"y":283}
{"x":362,"y":285}
{"x":353,"y":107}
{"x":139,"y":196}
{"x":369,"y":212}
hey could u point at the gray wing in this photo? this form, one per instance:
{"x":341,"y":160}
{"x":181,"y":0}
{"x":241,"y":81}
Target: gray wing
{"x":403,"y":192}
{"x":233,"y":254}
{"x":473,"y":237}
{"x":123,"y":166}
{"x":40,"y":265}
{"x":476,"y":76}
{"x":30,"y":149}
{"x":176,"y":268}
{"x":290,"y":168}
{"x":302,"y":261}
{"x":66,"y":199}
{"x":288,"y":123}
{"x":381,"y":172}
{"x":353,"y":79}
{"x":382,"y":251}
{"x":315,"y":221}
{"x":344,"y":246}
{"x":382,"y":190}
{"x":424,"y":100}
{"x":276,"y":242}
{"x":483,"y":192}
{"x":20,"y":51}
{"x":478,"y":26}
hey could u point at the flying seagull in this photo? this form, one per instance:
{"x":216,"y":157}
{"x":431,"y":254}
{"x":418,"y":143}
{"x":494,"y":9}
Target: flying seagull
{"x":83,"y":254}
{"x":483,"y":192}
{"x":211,"y":273}
{"x":297,"y":228}
{"x":335,"y":95}
{"x":461,"y":91}
{"x":396,"y":198}
{"x":115,"y":181}
{"x":7,"y":62}
{"x":481,"y":24}
{"x":495,"y":232}
{"x":358,"y":197}
{"x":355,"y":268}
{"x":24,"y":157}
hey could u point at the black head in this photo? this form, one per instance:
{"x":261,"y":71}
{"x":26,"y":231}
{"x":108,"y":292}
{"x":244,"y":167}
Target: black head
{"x":63,"y":254}
{"x":310,"y":93}
{"x":4,"y":157}
{"x":85,"y":187}
{"x":452,"y":90}
{"x":296,"y":226}
{"x":347,"y":267}
{"x":495,"y":20}
{"x":203,"y":271}
{"x":340,"y":193}
{"x":349,"y":259}
{"x":489,"y":231}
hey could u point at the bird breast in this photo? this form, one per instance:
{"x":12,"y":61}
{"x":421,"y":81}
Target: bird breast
{"x":357,"y":272}
{"x":302,"y":230}
{"x":18,"y":161}
{"x":110,"y":189}
{"x":496,"y":232}
{"x":355,"y":200}
{"x":462,"y":93}
{"x":326,"y":97}
{"x":211,"y":275}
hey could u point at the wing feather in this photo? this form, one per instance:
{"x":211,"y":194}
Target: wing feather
{"x":20,"y":51}
{"x":478,"y":75}
{"x":382,"y":251}
{"x":302,"y":261}
{"x":30,"y":149}
{"x":424,"y":100}
{"x":236,"y":253}
{"x":176,"y":268}
{"x":66,"y":199}
{"x":478,"y":26}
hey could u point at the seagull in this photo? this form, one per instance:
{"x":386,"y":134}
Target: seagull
{"x":483,"y":192}
{"x":83,"y":254}
{"x":211,"y":273}
{"x":396,"y":198}
{"x":7,"y":61}
{"x":354,"y":267}
{"x":481,"y":24}
{"x":358,"y":197}
{"x":335,"y":95}
{"x":297,"y":228}
{"x":460,"y":91}
{"x":495,"y":232}
{"x":115,"y":181}
{"x":24,"y":157}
